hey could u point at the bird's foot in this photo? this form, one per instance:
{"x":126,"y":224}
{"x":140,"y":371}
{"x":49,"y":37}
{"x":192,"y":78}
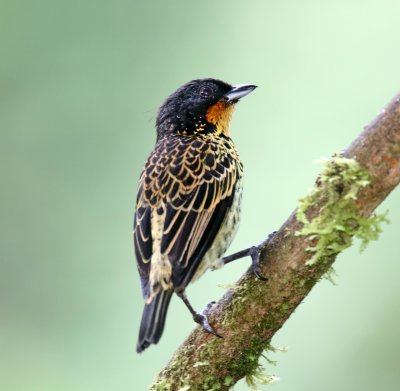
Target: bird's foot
{"x":202,"y":320}
{"x":255,"y":252}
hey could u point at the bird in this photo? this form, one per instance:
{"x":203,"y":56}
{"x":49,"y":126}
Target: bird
{"x":189,"y":199}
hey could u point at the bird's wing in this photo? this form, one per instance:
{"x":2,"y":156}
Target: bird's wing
{"x":185,"y":191}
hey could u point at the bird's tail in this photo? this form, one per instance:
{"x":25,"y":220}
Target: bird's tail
{"x":153,"y":320}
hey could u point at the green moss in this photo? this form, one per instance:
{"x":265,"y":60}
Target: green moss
{"x":259,"y":377}
{"x":284,"y":307}
{"x":245,"y":365}
{"x":162,"y":386}
{"x":175,"y":372}
{"x":209,"y":382}
{"x":228,"y":381}
{"x":338,"y":220}
{"x":200,"y":364}
{"x":240,"y":295}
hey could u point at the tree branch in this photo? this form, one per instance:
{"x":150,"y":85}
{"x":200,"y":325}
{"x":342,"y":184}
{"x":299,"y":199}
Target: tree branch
{"x":253,"y":311}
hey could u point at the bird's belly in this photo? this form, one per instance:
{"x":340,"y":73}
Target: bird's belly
{"x":213,"y":257}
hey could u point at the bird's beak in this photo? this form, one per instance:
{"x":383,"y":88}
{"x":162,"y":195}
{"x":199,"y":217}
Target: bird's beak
{"x":238,"y":92}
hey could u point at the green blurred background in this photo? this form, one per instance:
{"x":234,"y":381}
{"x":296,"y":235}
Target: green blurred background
{"x":80,"y":83}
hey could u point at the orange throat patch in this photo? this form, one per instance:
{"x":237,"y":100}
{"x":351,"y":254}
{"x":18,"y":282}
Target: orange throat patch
{"x":220,"y":115}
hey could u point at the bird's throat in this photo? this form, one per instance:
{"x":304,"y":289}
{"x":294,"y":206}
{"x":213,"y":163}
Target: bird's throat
{"x":220,"y":115}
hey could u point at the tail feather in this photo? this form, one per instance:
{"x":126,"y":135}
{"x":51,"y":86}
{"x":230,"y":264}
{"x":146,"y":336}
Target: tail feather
{"x":153,"y":320}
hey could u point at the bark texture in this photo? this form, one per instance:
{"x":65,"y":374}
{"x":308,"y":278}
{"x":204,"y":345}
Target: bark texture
{"x":251,"y":313}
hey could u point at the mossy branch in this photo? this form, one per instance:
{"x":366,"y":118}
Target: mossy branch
{"x":339,"y":207}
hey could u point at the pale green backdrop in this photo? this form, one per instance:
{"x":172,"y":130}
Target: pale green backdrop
{"x":80,"y":83}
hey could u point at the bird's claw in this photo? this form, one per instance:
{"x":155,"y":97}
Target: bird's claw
{"x":255,"y":252}
{"x":255,"y":262}
{"x":202,"y":320}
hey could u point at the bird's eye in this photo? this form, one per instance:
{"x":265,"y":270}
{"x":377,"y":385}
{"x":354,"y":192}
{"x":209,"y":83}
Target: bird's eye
{"x":205,"y":92}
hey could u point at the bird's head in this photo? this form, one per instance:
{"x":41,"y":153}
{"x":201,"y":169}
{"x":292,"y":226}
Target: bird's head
{"x":200,"y":106}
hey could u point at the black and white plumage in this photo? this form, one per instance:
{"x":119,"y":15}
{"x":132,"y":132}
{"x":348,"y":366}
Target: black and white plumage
{"x":188,"y":202}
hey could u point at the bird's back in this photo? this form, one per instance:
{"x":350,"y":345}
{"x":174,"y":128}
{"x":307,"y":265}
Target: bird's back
{"x":187,"y":209}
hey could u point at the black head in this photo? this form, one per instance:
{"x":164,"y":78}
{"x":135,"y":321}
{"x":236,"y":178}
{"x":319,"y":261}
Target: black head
{"x":199,"y":106}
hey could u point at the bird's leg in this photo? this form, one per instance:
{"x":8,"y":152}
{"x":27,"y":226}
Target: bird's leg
{"x":254,"y":253}
{"x":200,"y":318}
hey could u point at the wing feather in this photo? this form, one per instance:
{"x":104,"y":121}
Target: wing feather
{"x":194,"y":191}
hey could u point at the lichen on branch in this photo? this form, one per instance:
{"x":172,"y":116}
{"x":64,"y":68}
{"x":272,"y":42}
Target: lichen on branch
{"x":338,"y":219}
